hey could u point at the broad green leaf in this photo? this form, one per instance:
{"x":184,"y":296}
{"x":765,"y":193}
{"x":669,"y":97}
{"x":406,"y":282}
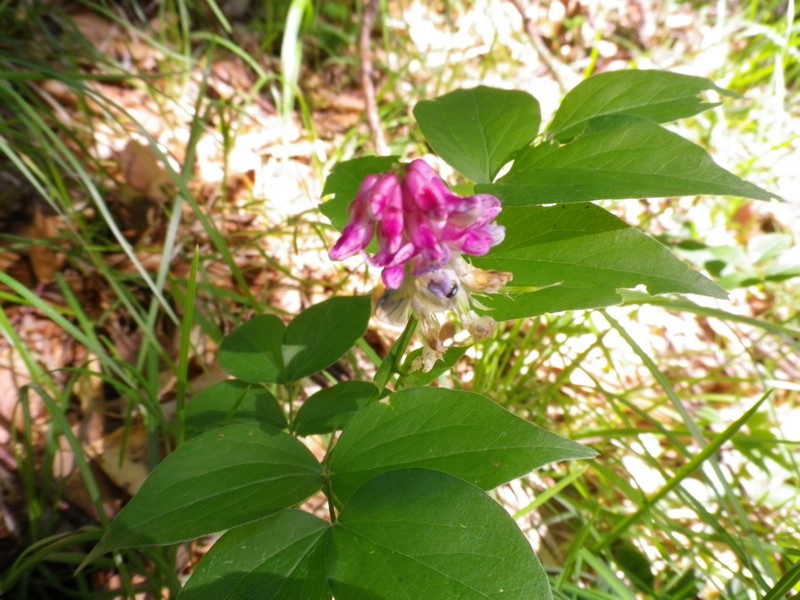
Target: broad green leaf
{"x":656,"y":95}
{"x":425,"y":534}
{"x":331,"y":408}
{"x":253,"y":352}
{"x":281,"y":557}
{"x":344,"y":181}
{"x":478,"y":130}
{"x":460,"y":433}
{"x":322,"y":333}
{"x":617,"y":156}
{"x":263,"y":350}
{"x":232,"y":401}
{"x":220,"y":479}
{"x":579,"y":256}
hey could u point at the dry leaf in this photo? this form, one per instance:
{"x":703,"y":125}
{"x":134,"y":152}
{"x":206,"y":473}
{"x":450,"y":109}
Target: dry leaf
{"x":45,"y":261}
{"x":143,"y":171}
{"x":122,"y":455}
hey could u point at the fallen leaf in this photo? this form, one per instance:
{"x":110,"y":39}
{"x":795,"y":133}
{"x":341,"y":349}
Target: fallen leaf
{"x":122,"y":455}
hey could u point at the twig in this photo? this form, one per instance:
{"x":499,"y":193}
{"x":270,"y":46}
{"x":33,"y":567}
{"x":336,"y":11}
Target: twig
{"x":550,"y":62}
{"x":367,"y":83}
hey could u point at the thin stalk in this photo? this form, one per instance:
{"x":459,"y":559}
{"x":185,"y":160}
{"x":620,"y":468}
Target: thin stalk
{"x":728,"y":493}
{"x":183,"y":357}
{"x":391,"y":364}
{"x":682,"y":473}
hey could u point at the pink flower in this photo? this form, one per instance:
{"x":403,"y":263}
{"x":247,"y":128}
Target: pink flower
{"x":422,"y":229}
{"x":419,"y":223}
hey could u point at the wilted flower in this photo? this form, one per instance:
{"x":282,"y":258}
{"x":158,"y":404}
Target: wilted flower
{"x":423,"y":229}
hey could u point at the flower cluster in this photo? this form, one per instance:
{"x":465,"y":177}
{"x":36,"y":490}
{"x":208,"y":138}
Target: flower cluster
{"x":423,"y":229}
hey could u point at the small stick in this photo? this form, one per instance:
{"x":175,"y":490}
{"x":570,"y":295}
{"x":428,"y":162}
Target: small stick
{"x":550,"y":61}
{"x":367,"y":83}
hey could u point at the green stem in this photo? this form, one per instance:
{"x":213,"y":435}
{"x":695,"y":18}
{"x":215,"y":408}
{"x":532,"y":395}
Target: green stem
{"x":326,"y":486}
{"x":185,"y":349}
{"x":290,"y":392}
{"x":391,"y":364}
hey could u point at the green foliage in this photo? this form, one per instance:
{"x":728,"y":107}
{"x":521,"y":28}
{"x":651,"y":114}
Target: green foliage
{"x":656,"y":95}
{"x":574,"y":256}
{"x":477,"y":131}
{"x":279,"y":557}
{"x":406,"y":532}
{"x":423,"y":450}
{"x":264,"y":351}
{"x":616,"y":157}
{"x":458,"y":433}
{"x":331,"y":408}
{"x":217,"y":480}
{"x":232,"y":401}
{"x":254,"y":352}
{"x":579,"y":261}
{"x":418,"y":534}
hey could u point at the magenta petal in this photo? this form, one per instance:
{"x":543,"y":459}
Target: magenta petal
{"x":435,"y":199}
{"x":491,"y":206}
{"x":359,"y":207}
{"x":393,"y":259}
{"x":475,"y":210}
{"x":426,"y":191}
{"x":451,"y":234}
{"x":430,"y":246}
{"x":393,"y":277}
{"x":404,"y":254}
{"x":355,"y":237}
{"x":390,"y":231}
{"x":476,"y":242}
{"x":358,"y":232}
{"x":423,"y":237}
{"x":385,"y":195}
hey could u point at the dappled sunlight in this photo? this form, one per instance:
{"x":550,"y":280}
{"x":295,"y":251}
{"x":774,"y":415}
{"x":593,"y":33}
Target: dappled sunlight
{"x":154,"y":197}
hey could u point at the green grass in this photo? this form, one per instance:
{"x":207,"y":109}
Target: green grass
{"x":695,"y":487}
{"x":602,"y":516}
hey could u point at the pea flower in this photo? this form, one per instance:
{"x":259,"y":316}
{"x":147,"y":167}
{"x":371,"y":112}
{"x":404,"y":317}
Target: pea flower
{"x":423,"y":229}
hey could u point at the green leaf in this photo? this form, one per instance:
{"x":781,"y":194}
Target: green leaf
{"x":281,"y":557}
{"x":331,"y":408}
{"x":232,"y":401}
{"x":579,"y":256}
{"x":689,"y":583}
{"x":478,"y":130}
{"x":617,"y":156}
{"x":322,"y":333}
{"x":263,"y":350}
{"x":344,"y":181}
{"x":460,"y":433}
{"x":424,"y":534}
{"x":656,"y":95}
{"x":218,"y":480}
{"x":253,"y":352}
{"x":635,"y":564}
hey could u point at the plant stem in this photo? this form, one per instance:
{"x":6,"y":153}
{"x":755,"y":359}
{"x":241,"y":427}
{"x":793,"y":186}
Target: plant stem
{"x":391,"y":364}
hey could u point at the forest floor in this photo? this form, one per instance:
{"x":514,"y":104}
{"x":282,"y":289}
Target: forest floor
{"x":134,"y":138}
